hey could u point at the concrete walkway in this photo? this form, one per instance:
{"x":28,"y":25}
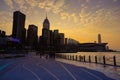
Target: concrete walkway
{"x":33,"y":67}
{"x":110,"y":71}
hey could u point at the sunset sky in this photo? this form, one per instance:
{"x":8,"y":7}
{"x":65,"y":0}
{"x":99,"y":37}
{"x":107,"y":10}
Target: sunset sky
{"x":81,"y":20}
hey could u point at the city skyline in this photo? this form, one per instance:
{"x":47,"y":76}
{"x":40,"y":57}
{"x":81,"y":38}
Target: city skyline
{"x":83,"y":23}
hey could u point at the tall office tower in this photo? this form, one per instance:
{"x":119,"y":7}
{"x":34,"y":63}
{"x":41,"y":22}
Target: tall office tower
{"x":46,"y":24}
{"x":23,"y":40}
{"x":46,"y":32}
{"x":66,"y":41}
{"x":56,"y":40}
{"x":18,"y":30}
{"x":32,"y":37}
{"x":61,"y":38}
{"x":99,"y":39}
{"x":51,"y":37}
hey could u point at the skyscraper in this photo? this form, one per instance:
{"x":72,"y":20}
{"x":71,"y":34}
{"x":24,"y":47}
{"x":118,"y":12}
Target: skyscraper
{"x":46,"y":32}
{"x":18,"y":26}
{"x":61,"y":38}
{"x":56,"y":40}
{"x":46,"y":24}
{"x":99,"y":39}
{"x":50,"y":41}
{"x":32,"y":37}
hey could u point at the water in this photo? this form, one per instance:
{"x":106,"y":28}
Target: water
{"x":108,"y":56}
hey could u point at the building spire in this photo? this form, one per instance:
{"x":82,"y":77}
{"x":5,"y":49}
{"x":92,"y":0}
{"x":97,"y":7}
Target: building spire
{"x":46,"y":15}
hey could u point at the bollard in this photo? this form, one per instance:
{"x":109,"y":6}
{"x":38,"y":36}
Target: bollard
{"x":80,"y":58}
{"x":89,"y":59}
{"x":104,"y":60}
{"x":114,"y":60}
{"x":76,"y":57}
{"x":70,"y":57}
{"x":95,"y":59}
{"x":73,"y":57}
{"x":84,"y":58}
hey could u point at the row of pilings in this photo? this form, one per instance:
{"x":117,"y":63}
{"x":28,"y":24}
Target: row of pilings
{"x":83,"y":59}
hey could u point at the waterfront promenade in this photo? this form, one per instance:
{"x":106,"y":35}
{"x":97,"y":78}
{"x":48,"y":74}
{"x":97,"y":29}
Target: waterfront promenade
{"x":33,"y":67}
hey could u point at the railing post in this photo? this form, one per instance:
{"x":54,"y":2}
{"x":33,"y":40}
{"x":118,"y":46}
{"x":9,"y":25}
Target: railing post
{"x":114,"y":59}
{"x":89,"y":59}
{"x":84,"y":58}
{"x":76,"y":58}
{"x":73,"y":58}
{"x":70,"y":57}
{"x":80,"y":58}
{"x":104,"y":62}
{"x":95,"y":59}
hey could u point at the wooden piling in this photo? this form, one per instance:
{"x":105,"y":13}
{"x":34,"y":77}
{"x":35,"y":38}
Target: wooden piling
{"x":104,"y":62}
{"x":84,"y":58}
{"x":95,"y":59}
{"x":64,"y":56}
{"x":76,"y":58}
{"x":70,"y":57}
{"x":114,"y":60}
{"x":73,"y":58}
{"x":80,"y":58}
{"x":89,"y":59}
